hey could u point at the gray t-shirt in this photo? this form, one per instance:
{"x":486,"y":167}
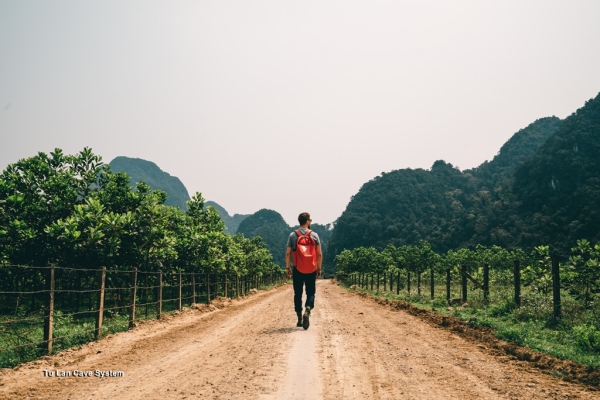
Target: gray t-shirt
{"x":293,"y":239}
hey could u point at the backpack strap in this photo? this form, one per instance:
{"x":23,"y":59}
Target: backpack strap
{"x":299,"y":235}
{"x":299,"y":232}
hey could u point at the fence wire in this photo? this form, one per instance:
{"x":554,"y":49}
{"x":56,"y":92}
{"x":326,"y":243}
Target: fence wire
{"x":44,"y":309}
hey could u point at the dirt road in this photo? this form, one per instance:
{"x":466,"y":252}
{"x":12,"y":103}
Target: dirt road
{"x":251,"y":349}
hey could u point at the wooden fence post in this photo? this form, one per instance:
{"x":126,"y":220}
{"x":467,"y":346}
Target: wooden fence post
{"x":517,"y":273}
{"x":448,"y":284}
{"x":146,"y":296}
{"x":180,"y":284}
{"x":193,"y":288}
{"x":398,"y":283}
{"x":133,"y":294}
{"x":160,"y":293}
{"x":486,"y":282}
{"x":207,"y":288}
{"x":408,"y":282}
{"x":556,"y":287}
{"x":49,"y":320}
{"x":432,"y":284}
{"x":98,"y":332}
{"x":463,"y":273}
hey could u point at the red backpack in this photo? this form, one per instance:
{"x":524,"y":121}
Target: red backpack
{"x":305,"y":256}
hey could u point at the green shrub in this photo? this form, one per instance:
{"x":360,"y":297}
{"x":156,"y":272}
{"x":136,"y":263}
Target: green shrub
{"x":439,"y":302}
{"x":587,"y":338}
{"x":502,"y":308}
{"x":534,"y":307}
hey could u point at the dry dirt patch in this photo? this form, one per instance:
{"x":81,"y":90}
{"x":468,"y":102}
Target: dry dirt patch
{"x":484,"y":338}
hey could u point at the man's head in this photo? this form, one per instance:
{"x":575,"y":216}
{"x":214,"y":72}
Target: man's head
{"x":304,"y":218}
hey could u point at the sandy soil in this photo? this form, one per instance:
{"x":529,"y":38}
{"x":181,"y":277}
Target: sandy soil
{"x":355,"y":348}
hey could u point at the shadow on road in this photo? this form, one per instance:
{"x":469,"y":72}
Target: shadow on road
{"x":280,"y":330}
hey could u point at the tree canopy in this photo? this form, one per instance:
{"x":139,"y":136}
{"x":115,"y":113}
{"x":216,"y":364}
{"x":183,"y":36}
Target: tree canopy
{"x":75,"y":211}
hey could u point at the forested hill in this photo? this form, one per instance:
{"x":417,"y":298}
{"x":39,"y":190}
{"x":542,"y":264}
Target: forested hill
{"x":231,"y":222}
{"x":559,"y":188}
{"x":265,"y":223}
{"x":543,"y":187}
{"x":177,"y":195}
{"x":521,"y":146}
{"x":405,"y":206}
{"x":156,"y":178}
{"x":271,"y":227}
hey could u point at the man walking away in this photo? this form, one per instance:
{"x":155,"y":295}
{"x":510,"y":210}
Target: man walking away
{"x":304,"y":247}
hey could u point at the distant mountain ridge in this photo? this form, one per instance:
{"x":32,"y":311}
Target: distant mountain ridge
{"x":518,"y":149}
{"x":148,"y":172}
{"x":231,"y":222}
{"x":177,"y":195}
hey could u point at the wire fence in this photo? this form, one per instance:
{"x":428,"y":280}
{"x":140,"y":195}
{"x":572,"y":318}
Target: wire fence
{"x":456,"y":289}
{"x":45,"y":309}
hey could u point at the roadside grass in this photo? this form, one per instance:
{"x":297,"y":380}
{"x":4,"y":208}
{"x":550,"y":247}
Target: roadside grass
{"x":575,"y":336}
{"x":21,"y":339}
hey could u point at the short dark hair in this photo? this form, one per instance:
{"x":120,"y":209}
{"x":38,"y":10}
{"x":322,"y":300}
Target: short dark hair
{"x":303,"y":218}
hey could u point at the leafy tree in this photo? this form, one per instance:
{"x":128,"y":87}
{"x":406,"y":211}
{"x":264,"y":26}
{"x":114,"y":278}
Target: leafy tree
{"x":584,"y":263}
{"x":344,"y":262}
{"x":37,"y":191}
{"x":75,"y":211}
{"x":538,"y":274}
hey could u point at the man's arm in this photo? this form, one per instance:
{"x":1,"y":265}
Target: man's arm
{"x":319,"y":261}
{"x":288,"y":256}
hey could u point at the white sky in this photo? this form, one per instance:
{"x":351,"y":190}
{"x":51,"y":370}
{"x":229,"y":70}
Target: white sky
{"x":289,"y":105}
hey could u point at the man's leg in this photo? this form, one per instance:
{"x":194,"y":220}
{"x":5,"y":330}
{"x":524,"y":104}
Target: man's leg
{"x":310,"y":281}
{"x":298,"y":283}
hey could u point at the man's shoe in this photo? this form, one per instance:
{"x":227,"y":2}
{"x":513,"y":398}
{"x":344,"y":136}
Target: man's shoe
{"x":305,"y":318}
{"x":299,"y":323}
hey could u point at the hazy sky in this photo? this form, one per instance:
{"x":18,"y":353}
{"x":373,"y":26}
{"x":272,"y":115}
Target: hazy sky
{"x":289,"y":105}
